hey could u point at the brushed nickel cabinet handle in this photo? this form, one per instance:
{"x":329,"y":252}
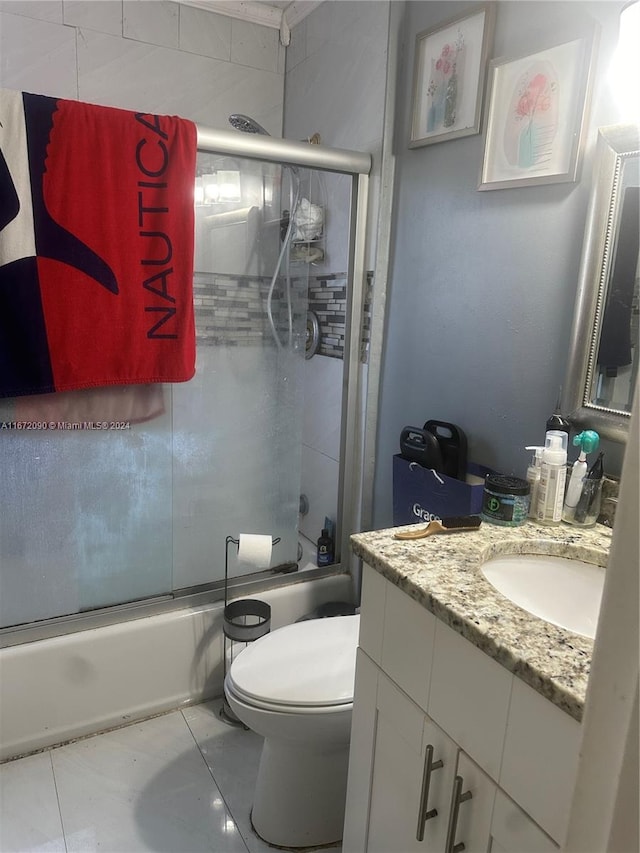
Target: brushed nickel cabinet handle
{"x":457,"y":797}
{"x":425,"y":814}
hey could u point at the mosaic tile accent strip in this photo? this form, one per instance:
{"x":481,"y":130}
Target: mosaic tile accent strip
{"x":231,"y":310}
{"x":328,"y":300}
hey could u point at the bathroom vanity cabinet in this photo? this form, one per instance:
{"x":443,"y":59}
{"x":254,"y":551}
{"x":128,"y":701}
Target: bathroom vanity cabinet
{"x":449,"y":747}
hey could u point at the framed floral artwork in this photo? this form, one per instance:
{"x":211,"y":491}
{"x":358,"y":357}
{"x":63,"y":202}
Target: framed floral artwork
{"x":448,"y":76}
{"x":537,"y":110}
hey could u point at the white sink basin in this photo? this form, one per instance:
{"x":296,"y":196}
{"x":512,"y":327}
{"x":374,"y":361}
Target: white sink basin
{"x":559,"y":590}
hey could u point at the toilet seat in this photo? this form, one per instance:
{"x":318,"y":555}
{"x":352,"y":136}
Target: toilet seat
{"x":307,"y":667}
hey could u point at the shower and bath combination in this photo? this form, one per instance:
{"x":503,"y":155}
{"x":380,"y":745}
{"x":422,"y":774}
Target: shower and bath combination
{"x":63,"y":569}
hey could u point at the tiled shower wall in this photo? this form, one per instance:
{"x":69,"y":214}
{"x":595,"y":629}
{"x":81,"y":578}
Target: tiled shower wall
{"x":144,"y":55}
{"x":328,"y":301}
{"x":230,"y":310}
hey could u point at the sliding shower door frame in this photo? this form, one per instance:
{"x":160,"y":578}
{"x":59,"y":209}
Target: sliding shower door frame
{"x":357,"y":164}
{"x":288,"y":153}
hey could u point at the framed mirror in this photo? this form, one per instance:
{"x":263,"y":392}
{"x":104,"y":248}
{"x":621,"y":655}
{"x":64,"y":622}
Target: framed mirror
{"x":605,"y":340}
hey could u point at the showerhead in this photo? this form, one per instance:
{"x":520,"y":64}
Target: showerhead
{"x":247,"y":124}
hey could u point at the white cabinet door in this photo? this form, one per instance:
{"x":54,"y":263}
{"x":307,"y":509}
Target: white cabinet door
{"x":398,"y":785}
{"x":472,"y":800}
{"x":413,"y":770}
{"x":363,"y":731}
{"x":436,"y":784}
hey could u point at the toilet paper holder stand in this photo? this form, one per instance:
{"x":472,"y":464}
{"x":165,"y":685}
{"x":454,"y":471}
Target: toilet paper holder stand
{"x":244,"y":620}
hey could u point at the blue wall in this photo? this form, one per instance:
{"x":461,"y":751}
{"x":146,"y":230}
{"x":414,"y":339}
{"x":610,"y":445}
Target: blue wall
{"x":482,"y":284}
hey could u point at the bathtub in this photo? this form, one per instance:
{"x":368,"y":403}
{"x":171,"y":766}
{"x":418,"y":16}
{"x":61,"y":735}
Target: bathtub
{"x":59,"y":689}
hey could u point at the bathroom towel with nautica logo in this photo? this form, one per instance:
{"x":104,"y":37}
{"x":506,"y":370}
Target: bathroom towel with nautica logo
{"x":96,"y":246}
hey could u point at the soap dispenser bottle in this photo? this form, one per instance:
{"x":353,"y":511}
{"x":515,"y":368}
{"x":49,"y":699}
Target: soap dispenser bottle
{"x":553,"y":476}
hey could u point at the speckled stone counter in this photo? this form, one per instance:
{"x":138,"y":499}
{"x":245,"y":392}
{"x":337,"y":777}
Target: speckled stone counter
{"x":443,"y":574}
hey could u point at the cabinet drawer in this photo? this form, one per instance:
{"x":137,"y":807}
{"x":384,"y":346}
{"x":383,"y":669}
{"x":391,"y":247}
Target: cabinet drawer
{"x":407,"y":647}
{"x":470,"y":697}
{"x":540,"y":759}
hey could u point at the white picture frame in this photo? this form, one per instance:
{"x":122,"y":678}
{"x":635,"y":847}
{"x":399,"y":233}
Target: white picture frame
{"x":535,"y":118}
{"x":449,"y":75}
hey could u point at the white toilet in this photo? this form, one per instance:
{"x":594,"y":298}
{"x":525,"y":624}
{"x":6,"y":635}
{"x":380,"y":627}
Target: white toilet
{"x":294,"y":686}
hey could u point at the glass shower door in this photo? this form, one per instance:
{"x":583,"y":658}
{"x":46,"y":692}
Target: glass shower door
{"x":237,"y":426}
{"x":86,"y":514}
{"x":92,"y":519}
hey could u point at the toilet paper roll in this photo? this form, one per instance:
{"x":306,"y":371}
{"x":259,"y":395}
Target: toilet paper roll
{"x":254,"y":550}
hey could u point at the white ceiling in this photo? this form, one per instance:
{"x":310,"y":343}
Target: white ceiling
{"x":280,"y":14}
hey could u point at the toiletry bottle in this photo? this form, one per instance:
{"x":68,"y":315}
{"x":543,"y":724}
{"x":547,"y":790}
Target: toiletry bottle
{"x":588,"y":507}
{"x":533,"y":478}
{"x":587,"y":441}
{"x":557,"y":421}
{"x":553,"y":475}
{"x":325,"y":550}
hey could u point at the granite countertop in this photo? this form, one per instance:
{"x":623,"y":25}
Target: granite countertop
{"x":443,"y":574}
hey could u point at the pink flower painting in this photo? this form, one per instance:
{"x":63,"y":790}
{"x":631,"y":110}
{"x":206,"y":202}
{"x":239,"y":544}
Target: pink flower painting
{"x":444,"y":89}
{"x":532,"y":118}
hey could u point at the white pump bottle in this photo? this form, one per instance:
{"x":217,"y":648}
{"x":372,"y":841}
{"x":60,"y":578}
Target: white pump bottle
{"x":553,"y":475}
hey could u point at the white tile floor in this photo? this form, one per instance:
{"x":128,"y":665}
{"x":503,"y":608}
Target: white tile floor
{"x":179,"y":783}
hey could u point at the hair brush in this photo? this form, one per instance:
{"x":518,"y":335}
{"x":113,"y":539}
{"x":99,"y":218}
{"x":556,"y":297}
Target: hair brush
{"x":447,"y":525}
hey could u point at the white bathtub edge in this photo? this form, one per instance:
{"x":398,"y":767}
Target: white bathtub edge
{"x":53,"y":691}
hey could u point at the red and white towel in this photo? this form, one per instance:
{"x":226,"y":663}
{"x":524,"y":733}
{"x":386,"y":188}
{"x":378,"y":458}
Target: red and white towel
{"x":96,"y":246}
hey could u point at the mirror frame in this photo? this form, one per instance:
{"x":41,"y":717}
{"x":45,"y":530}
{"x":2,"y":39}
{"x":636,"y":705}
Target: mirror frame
{"x":616,"y":144}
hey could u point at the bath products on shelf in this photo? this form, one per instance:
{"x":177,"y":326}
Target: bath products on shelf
{"x":587,"y":441}
{"x":325,"y":549}
{"x":553,"y":475}
{"x":308,"y":220}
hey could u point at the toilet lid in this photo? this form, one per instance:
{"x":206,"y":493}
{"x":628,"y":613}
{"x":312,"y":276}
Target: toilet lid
{"x":310,"y":663}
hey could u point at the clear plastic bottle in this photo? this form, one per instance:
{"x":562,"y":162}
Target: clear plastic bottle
{"x":533,"y":478}
{"x":553,"y":475}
